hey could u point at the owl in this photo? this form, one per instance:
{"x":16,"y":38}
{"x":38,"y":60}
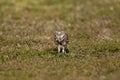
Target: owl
{"x":61,"y":40}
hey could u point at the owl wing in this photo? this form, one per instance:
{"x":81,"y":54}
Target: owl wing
{"x":66,"y":39}
{"x":55,"y":39}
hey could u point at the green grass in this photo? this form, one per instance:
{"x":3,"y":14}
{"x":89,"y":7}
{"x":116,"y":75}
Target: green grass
{"x":27,"y":50}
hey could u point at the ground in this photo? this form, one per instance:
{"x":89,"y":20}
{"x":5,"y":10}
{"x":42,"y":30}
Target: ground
{"x":27,"y":50}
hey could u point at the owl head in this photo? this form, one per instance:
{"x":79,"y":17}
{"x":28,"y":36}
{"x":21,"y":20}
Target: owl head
{"x":59,"y":35}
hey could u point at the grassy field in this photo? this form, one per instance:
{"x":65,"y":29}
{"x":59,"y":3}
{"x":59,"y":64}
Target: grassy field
{"x":27,"y":51}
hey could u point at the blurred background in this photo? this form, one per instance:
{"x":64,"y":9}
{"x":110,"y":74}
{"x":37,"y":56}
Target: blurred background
{"x":27,"y":50}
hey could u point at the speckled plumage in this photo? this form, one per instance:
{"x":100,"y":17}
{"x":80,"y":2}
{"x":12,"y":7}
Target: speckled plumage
{"x":61,"y":40}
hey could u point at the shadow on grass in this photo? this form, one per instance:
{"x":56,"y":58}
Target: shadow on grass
{"x":52,"y":51}
{"x":56,"y":51}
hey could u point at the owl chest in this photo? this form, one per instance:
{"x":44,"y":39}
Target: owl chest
{"x":63,"y":43}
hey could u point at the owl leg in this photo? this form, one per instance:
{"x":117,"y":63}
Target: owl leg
{"x":63,"y":49}
{"x":59,"y":48}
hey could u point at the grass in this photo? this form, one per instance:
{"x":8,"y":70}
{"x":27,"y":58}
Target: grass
{"x":27,"y":50}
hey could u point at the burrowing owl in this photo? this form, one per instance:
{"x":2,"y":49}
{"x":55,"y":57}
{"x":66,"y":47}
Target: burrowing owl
{"x":61,"y":40}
